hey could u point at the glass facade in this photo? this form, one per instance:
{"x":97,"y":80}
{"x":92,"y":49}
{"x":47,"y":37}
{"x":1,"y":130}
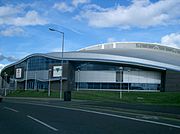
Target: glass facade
{"x":120,"y":70}
{"x":117,"y":86}
{"x":33,"y":65}
{"x":37,"y":63}
{"x":103,"y":66}
{"x":35,"y":84}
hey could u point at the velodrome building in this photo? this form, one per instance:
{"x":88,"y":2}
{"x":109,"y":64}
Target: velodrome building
{"x":128,"y":66}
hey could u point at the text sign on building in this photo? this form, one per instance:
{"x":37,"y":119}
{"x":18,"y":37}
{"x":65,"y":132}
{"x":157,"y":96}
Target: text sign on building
{"x":18,"y":72}
{"x":57,"y":71}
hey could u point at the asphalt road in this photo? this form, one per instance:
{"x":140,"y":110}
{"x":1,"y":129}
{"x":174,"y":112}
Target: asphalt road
{"x":23,"y":118}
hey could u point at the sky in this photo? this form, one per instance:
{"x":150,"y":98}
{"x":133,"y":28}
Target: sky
{"x":24,"y":24}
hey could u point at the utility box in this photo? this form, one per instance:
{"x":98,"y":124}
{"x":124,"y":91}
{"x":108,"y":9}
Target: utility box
{"x":67,"y":96}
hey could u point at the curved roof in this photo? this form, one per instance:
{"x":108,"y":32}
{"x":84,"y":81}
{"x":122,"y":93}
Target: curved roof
{"x":132,"y":45}
{"x":142,"y":54}
{"x":147,"y":51}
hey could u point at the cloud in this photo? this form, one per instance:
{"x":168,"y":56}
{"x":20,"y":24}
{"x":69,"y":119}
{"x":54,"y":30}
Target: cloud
{"x":12,"y":31}
{"x":140,"y":13}
{"x":63,"y":7}
{"x":111,"y":39}
{"x":56,"y":50}
{"x":31,"y":18}
{"x":172,"y":39}
{"x":2,"y":66}
{"x":9,"y":10}
{"x":10,"y":58}
{"x":77,"y":2}
{"x":18,"y":16}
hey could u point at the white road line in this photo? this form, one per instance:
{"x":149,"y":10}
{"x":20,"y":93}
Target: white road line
{"x":11,"y":109}
{"x":107,"y":114}
{"x":42,"y":123}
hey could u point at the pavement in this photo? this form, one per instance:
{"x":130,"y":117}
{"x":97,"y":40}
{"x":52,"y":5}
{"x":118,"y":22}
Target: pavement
{"x":53,"y":116}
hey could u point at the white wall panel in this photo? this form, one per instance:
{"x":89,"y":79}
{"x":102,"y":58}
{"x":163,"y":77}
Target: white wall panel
{"x":141,"y":77}
{"x":95,"y":76}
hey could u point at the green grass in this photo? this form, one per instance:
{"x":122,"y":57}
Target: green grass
{"x":35,"y":94}
{"x":155,"y":98}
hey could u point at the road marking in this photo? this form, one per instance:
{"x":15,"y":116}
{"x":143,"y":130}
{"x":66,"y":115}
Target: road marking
{"x":11,"y":109}
{"x":39,"y":102}
{"x":42,"y":123}
{"x":131,"y":118}
{"x":107,"y":114}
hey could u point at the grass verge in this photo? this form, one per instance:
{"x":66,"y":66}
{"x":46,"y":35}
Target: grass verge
{"x":153,"y":98}
{"x":32,"y":93}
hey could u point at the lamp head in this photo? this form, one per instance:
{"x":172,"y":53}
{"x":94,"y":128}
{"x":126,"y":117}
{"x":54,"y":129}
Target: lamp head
{"x":51,"y":29}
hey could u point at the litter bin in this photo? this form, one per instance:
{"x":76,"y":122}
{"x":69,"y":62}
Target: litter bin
{"x":1,"y":98}
{"x":67,"y":96}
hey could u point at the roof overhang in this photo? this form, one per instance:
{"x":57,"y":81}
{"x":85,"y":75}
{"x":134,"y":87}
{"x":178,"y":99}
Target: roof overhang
{"x":80,"y":56}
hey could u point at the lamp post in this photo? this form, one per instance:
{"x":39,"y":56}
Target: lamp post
{"x":35,"y":81}
{"x":62,"y":52}
{"x":5,"y":75}
{"x":128,"y":79}
{"x":78,"y":80}
{"x":27,"y":67}
{"x":120,"y":84}
{"x":15,"y":84}
{"x":49,"y":85}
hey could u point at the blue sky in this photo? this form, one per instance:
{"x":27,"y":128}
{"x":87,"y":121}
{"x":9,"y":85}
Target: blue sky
{"x":24,"y":24}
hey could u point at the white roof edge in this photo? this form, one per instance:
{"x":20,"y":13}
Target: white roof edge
{"x":106,"y":58}
{"x":155,"y":43}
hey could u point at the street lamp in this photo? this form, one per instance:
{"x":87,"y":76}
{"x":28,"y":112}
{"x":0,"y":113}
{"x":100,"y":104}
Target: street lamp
{"x":128,"y":79}
{"x":35,"y":81}
{"x":78,"y":85}
{"x":49,"y":85}
{"x":27,"y":68}
{"x":62,"y":51}
{"x":120,"y":84}
{"x":5,"y":84}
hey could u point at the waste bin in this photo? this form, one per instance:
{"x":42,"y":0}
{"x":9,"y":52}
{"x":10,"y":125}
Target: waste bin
{"x":1,"y":98}
{"x":67,"y":96}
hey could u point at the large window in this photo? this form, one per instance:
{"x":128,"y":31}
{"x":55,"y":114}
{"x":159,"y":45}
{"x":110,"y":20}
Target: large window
{"x":96,"y":75}
{"x":40,"y":63}
{"x":95,"y":66}
{"x":37,"y":63}
{"x":36,"y":85}
{"x":132,"y":86}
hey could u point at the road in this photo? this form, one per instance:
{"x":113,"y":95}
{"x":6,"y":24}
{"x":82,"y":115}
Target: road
{"x":43,"y":118}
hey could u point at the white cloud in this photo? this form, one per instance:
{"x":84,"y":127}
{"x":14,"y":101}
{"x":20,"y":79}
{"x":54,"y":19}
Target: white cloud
{"x":141,"y":13}
{"x":56,"y":49}
{"x":31,"y":18}
{"x":172,"y":39}
{"x":111,"y":39}
{"x":18,"y":16}
{"x":9,"y":10}
{"x":77,"y":2}
{"x":63,"y":7}
{"x":2,"y":66}
{"x":94,"y":7}
{"x":12,"y":31}
{"x":9,"y":59}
